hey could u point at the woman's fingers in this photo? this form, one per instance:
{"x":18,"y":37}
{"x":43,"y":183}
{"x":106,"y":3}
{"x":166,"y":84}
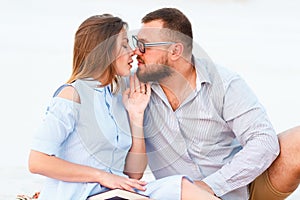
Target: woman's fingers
{"x":139,"y":185}
{"x":131,"y":84}
{"x":126,"y":92}
{"x":142,"y":182}
{"x":127,"y":187}
{"x":131,"y":184}
{"x":143,"y":88}
{"x":137,"y":84}
{"x":148,"y":89}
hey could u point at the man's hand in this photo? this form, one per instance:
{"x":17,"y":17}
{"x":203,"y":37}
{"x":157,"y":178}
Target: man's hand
{"x":204,"y":186}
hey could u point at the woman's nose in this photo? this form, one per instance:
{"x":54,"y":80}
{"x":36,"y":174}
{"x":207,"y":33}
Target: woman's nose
{"x":131,"y":51}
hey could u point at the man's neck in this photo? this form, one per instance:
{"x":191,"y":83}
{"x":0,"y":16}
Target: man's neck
{"x":179,"y":85}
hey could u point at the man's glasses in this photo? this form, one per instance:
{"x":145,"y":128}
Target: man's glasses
{"x":142,"y":46}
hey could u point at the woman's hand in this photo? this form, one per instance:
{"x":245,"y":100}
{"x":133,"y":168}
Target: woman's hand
{"x":136,"y":97}
{"x":113,"y":181}
{"x":135,"y":100}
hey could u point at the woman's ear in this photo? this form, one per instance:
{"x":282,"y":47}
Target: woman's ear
{"x":176,"y":51}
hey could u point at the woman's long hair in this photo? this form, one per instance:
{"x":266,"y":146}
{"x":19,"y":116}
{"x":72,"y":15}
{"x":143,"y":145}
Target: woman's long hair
{"x":95,"y":49}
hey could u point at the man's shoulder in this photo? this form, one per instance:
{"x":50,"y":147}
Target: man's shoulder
{"x":226,"y":73}
{"x":216,"y":73}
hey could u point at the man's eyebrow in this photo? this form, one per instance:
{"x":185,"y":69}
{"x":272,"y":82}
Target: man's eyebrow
{"x":143,"y":40}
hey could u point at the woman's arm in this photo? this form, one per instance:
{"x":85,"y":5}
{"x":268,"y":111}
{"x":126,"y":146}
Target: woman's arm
{"x":57,"y":168}
{"x":53,"y":167}
{"x":135,"y":100}
{"x":136,"y":160}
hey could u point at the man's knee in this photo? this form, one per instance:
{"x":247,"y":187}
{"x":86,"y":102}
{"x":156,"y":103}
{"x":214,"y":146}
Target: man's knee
{"x":290,"y":147}
{"x":262,"y":188}
{"x":284,"y":173}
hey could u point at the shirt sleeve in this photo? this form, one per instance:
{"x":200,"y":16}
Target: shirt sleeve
{"x":249,"y":122}
{"x":58,"y":123}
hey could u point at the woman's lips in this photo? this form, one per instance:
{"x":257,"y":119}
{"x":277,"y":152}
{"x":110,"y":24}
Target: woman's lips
{"x":130,"y":63}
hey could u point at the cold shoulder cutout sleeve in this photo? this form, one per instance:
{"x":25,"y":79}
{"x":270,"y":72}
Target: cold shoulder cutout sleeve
{"x":59,"y":122}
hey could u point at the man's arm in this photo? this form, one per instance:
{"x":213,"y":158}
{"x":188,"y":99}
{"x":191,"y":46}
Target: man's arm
{"x":252,"y":128}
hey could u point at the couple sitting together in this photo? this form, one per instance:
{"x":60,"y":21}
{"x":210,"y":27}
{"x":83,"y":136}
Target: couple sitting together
{"x":198,"y":126}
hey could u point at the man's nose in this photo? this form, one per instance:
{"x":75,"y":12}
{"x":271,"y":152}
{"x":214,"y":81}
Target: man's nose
{"x":136,"y":51}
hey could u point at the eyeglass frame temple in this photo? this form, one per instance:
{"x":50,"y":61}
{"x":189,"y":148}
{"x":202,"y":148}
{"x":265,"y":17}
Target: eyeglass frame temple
{"x":150,"y":43}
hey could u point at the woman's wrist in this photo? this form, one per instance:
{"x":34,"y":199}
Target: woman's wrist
{"x":99,"y":175}
{"x":136,"y":119}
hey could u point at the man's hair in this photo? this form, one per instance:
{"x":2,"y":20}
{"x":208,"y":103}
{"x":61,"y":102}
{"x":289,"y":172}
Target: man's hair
{"x":174,"y":20}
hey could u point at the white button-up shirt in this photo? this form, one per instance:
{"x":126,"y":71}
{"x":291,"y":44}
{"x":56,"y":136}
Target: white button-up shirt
{"x":220,"y":134}
{"x":89,"y":136}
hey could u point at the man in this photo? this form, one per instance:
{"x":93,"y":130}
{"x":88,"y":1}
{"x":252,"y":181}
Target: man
{"x":204,"y":121}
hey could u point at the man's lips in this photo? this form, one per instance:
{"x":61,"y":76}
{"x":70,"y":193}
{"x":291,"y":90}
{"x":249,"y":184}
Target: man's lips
{"x":140,"y":61}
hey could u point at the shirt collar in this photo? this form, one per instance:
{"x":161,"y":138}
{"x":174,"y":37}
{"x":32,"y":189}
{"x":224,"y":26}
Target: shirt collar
{"x":201,"y":72}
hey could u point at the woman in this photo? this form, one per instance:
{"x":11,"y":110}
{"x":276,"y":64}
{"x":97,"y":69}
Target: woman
{"x":85,"y":144}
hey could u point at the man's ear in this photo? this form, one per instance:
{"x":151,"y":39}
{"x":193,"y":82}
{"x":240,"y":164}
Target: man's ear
{"x":176,"y":51}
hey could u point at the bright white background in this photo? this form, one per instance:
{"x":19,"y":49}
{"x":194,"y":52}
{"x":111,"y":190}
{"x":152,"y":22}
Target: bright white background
{"x":260,"y":39}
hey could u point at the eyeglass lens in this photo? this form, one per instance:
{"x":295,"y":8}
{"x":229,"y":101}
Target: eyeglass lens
{"x":138,"y":44}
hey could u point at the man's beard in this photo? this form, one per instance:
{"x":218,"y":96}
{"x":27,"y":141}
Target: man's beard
{"x":154,"y":72}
